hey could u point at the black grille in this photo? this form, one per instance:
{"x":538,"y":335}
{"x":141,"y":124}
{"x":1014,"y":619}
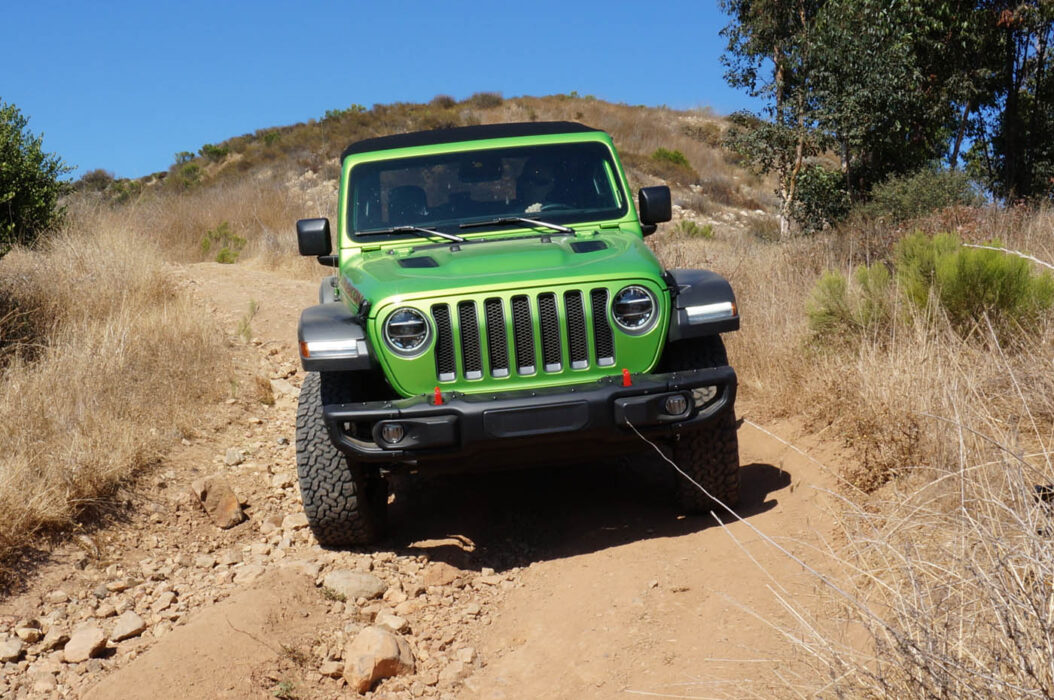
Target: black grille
{"x":585,"y":323}
{"x":576,"y":330}
{"x":497,"y":345}
{"x":549,"y":326}
{"x":444,"y":343}
{"x":602,"y":338}
{"x":523,"y":334}
{"x":471,"y":357}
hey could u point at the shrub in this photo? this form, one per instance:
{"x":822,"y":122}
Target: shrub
{"x":228,"y":244}
{"x":213,"y":152}
{"x":840,"y":311}
{"x":184,"y":157}
{"x":820,"y":200}
{"x":272,"y":137}
{"x":486,"y":100}
{"x":95,"y":180}
{"x":694,"y":230}
{"x":664,"y":155}
{"x":30,"y":184}
{"x":970,"y":283}
{"x":443,"y":102}
{"x":707,"y":132}
{"x":910,"y":196}
{"x":189,"y":175}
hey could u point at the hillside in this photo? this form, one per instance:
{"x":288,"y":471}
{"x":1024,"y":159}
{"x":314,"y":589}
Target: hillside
{"x":897,"y":410}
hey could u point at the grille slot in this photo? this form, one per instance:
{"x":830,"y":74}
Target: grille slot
{"x":471,"y":357}
{"x":445,"y":365}
{"x":602,"y":337}
{"x":576,"y":330}
{"x":549,"y":326}
{"x":523,"y":334}
{"x":497,"y":344}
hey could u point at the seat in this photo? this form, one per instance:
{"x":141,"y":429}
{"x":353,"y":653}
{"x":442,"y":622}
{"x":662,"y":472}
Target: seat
{"x":407,"y":204}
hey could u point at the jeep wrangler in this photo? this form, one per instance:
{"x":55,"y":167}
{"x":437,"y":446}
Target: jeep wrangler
{"x":495,"y":305}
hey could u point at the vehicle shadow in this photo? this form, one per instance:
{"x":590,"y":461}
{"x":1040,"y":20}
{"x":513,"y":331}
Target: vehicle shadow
{"x":510,"y":519}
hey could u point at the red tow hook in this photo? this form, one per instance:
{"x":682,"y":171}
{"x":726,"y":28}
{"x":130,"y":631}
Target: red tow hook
{"x":438,"y":397}
{"x":626,"y":381}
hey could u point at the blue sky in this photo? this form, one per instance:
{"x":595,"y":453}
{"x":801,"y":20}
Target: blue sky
{"x":123,"y":86}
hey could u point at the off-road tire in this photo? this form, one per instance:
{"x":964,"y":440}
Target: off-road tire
{"x":709,"y":455}
{"x":346,"y":503}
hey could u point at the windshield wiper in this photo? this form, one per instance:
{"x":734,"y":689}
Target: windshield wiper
{"x":412,"y":229}
{"x":505,"y":220}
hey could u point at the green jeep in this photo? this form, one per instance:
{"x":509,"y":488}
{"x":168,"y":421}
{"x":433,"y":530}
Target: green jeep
{"x":495,"y":305}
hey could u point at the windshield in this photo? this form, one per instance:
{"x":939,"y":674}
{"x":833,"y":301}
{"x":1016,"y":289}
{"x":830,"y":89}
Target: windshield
{"x":556,"y":183}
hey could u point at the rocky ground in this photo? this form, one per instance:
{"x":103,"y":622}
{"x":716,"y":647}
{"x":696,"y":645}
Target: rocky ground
{"x":204,"y":580}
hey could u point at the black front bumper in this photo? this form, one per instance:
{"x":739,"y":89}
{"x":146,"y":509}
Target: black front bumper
{"x":583,"y":414}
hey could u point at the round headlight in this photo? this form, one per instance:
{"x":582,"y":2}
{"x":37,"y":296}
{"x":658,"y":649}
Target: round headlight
{"x":633,"y":309}
{"x":406,"y":331}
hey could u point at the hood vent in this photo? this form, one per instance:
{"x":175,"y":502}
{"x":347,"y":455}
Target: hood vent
{"x":418,"y":262}
{"x":587,"y":246}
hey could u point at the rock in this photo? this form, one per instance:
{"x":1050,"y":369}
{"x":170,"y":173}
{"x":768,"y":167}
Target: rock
{"x":45,"y":683}
{"x":204,"y":561}
{"x":392,"y":622}
{"x":85,"y":643}
{"x":283,"y":388}
{"x":354,"y":584}
{"x":230,"y":557}
{"x":57,"y":597}
{"x":294,"y":521}
{"x":164,"y":601}
{"x":105,"y":610}
{"x":11,"y":649}
{"x":376,"y":653}
{"x":453,"y":671}
{"x":119,"y":585}
{"x":282,"y":481}
{"x":440,"y":574}
{"x":282,"y":441}
{"x":466,"y":655}
{"x":127,"y":626}
{"x":332,"y":669}
{"x":234,"y":457}
{"x":54,"y":639}
{"x":28,"y":635}
{"x":219,"y":501}
{"x":491,"y":580}
{"x":248,"y":573}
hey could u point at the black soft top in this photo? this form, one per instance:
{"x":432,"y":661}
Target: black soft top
{"x":463,"y":133}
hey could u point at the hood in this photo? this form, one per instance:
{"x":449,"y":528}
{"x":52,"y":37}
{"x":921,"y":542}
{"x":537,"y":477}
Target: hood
{"x":498,"y":264}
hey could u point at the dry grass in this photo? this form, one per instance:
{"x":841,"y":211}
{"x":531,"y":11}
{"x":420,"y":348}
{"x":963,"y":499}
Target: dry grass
{"x":111,"y":334}
{"x":947,"y":544}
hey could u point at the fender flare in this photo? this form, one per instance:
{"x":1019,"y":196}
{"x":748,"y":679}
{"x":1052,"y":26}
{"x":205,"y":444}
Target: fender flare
{"x":332,"y":339}
{"x":703,"y":304}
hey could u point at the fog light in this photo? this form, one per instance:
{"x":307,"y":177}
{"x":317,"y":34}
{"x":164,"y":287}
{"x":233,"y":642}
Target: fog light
{"x":392,"y":432}
{"x":676,"y":405}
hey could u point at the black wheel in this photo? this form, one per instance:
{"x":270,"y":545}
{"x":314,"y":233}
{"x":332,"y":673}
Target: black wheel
{"x":346,"y":503}
{"x":709,"y":455}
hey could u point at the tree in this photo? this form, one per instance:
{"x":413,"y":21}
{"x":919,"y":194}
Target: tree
{"x":30,"y":185}
{"x":776,"y":33}
{"x":1013,"y":146}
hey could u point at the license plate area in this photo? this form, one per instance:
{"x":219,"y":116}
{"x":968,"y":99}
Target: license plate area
{"x":536,"y":420}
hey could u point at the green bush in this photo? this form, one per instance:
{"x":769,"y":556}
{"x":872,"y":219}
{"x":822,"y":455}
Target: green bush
{"x":971,"y":283}
{"x":820,"y":199}
{"x":664,"y":155}
{"x":213,"y":152}
{"x":910,"y":196}
{"x":184,"y":157}
{"x":229,"y":245}
{"x":30,"y":184}
{"x":838,"y":310}
{"x":694,"y":230}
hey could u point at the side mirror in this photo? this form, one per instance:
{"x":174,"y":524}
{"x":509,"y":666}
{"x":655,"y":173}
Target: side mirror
{"x":654,"y":206}
{"x":312,"y":237}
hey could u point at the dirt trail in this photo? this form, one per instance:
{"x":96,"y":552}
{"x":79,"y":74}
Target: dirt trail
{"x":574,"y":583}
